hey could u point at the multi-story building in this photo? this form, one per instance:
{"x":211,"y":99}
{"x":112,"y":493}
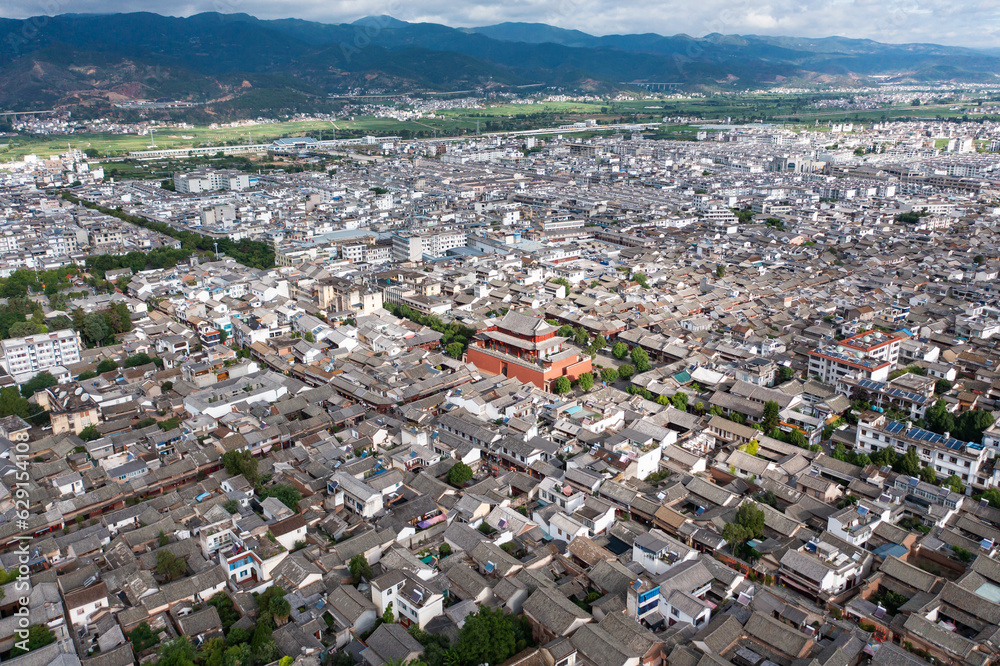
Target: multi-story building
{"x":69,"y":412}
{"x":413,"y":603}
{"x":413,"y":246}
{"x":946,"y":455}
{"x":340,"y":295}
{"x":824,"y":568}
{"x":35,"y":353}
{"x":356,"y":496}
{"x":207,"y":180}
{"x":910,"y":394}
{"x":869,"y":355}
{"x":526,"y":348}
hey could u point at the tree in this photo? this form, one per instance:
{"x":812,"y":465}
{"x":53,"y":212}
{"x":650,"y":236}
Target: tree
{"x":136,"y":360}
{"x":992,"y":495}
{"x":562,"y":385}
{"x":90,"y":433}
{"x":107,"y":365}
{"x":797,"y":438}
{"x":751,"y":447}
{"x":979,"y":259}
{"x":620,"y":350}
{"x":227,"y":611}
{"x":641,"y":360}
{"x":581,"y":337}
{"x":360,"y":568}
{"x":169,"y":565}
{"x":142,"y":638}
{"x":785,"y":373}
{"x":454,"y":350}
{"x":39,"y":635}
{"x":884,"y":458}
{"x":625,"y":371}
{"x":942,"y":386}
{"x":241,"y":462}
{"x":600,"y":342}
{"x":954,"y":484}
{"x":928,"y":474}
{"x":769,"y":421}
{"x":586,"y":381}
{"x":459,"y":474}
{"x":720,"y":271}
{"x":240,"y":655}
{"x":387,"y":616}
{"x":488,"y":637}
{"x":641,"y":279}
{"x":748,"y":523}
{"x":95,"y":328}
{"x":908,"y":463}
{"x":213,"y":652}
{"x":609,"y":375}
{"x":239,"y":635}
{"x":85,"y":375}
{"x":178,"y":652}
{"x":680,"y":401}
{"x":971,"y":424}
{"x":42,"y":380}
{"x":938,"y":419}
{"x":288,"y":495}
{"x":444,"y":550}
{"x":23,"y":329}
{"x":262,"y":635}
{"x":231,"y":506}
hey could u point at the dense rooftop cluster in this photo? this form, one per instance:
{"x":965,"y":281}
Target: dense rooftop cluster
{"x":510,"y":400}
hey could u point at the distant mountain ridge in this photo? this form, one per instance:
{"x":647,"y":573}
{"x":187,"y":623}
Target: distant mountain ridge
{"x":267,"y":65}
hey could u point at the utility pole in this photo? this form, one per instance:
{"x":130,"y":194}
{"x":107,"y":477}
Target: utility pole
{"x":216,"y":250}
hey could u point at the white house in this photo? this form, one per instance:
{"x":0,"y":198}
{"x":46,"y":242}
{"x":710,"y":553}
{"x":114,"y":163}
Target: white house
{"x":412,"y":601}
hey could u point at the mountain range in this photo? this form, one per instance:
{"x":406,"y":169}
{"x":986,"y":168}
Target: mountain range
{"x":240,"y":63}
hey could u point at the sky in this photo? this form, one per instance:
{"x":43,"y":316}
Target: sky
{"x":953,"y":22}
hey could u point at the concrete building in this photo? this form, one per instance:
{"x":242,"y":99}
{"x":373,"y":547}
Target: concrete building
{"x":35,"y":353}
{"x":869,"y":355}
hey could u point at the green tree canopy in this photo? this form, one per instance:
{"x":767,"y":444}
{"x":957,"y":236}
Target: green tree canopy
{"x":107,"y":365}
{"x":908,"y":463}
{"x":42,"y":380}
{"x":620,"y":350}
{"x":641,"y":360}
{"x":142,"y":638}
{"x":586,"y":381}
{"x":459,"y":474}
{"x":39,"y":635}
{"x":241,"y":462}
{"x":178,"y":652}
{"x":360,"y":568}
{"x":488,"y":637}
{"x":771,"y":418}
{"x":562,"y":385}
{"x":169,"y":565}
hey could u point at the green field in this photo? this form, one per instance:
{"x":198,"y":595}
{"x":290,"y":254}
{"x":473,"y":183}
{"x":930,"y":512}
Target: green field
{"x":792,"y":109}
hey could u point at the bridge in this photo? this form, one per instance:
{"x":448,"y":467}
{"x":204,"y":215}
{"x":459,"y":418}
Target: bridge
{"x":653,"y":85}
{"x":25,"y":113}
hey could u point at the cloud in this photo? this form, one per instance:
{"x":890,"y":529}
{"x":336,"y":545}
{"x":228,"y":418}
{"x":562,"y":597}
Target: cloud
{"x":957,"y":22}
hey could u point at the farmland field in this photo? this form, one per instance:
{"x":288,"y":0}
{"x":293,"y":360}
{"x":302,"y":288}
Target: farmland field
{"x":790,"y":109}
